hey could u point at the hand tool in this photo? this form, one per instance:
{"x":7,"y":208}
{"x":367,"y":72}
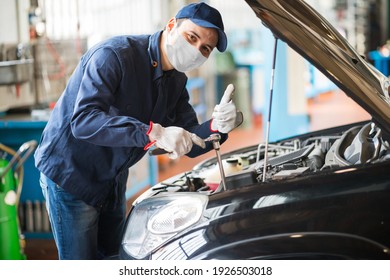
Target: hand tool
{"x":215,"y":138}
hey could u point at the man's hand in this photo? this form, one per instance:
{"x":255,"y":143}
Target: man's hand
{"x":175,"y":140}
{"x":225,"y":115}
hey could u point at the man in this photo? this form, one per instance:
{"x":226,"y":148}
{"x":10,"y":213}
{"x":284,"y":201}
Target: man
{"x":127,"y":94}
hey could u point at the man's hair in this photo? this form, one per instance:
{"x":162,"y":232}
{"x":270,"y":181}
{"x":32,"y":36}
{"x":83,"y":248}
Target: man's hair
{"x":179,"y":21}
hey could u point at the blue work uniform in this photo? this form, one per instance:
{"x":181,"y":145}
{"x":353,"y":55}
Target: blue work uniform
{"x":98,"y":127}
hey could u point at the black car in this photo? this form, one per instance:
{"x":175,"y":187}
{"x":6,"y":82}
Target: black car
{"x":320,"y":195}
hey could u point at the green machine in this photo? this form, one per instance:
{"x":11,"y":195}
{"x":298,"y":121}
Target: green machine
{"x":11,"y":181}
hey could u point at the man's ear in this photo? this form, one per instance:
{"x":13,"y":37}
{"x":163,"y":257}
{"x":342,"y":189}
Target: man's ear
{"x":171,"y":23}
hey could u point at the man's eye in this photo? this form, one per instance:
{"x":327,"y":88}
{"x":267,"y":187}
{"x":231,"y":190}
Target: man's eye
{"x":205,"y":51}
{"x":192,"y":37}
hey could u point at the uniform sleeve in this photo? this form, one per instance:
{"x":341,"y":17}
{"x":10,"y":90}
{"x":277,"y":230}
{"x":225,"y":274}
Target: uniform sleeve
{"x":92,"y":120}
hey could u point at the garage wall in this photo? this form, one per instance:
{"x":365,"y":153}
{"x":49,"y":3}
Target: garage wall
{"x":99,"y":19}
{"x":8,"y":15}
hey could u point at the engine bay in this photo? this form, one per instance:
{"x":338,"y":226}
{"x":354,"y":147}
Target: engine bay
{"x":360,"y":144}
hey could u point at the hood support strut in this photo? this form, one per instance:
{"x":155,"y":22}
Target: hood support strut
{"x":269,"y":110}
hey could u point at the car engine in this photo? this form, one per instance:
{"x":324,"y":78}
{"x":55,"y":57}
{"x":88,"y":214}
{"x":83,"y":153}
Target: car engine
{"x":360,"y":144}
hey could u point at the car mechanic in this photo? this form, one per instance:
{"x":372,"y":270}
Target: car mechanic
{"x":126,"y":94}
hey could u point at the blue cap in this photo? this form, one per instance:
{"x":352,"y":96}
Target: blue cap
{"x":203,"y":15}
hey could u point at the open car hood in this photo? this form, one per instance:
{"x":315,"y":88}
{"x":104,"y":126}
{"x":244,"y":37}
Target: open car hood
{"x":313,"y":37}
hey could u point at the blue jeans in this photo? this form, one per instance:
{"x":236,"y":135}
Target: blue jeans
{"x":80,"y":230}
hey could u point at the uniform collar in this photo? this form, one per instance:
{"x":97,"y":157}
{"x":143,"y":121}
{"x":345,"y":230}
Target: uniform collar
{"x":155,"y":54}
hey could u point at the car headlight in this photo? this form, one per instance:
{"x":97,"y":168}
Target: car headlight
{"x":157,"y":219}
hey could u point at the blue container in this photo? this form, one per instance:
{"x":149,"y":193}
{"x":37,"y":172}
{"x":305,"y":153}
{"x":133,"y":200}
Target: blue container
{"x":381,"y":62}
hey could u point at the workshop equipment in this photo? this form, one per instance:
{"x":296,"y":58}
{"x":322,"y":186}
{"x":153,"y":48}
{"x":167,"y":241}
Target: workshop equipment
{"x":11,"y":181}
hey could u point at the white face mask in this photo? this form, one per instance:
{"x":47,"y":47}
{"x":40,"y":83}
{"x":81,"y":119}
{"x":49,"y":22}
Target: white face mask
{"x":181,"y":54}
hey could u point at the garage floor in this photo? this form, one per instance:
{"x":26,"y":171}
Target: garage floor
{"x":328,"y":109}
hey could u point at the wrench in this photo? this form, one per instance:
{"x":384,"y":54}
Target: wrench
{"x":215,"y":138}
